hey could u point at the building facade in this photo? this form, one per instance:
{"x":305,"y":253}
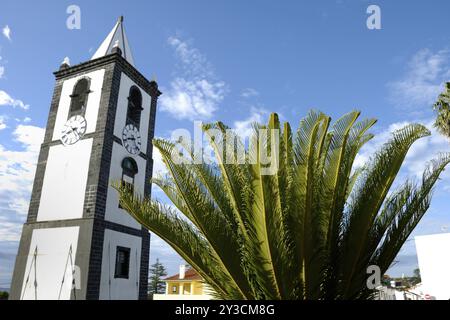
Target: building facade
{"x":77,"y":242}
{"x":433,"y":255}
{"x":186,"y":285}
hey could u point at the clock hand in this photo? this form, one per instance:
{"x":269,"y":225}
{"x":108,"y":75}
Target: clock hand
{"x":68,"y":130}
{"x":75,"y":132}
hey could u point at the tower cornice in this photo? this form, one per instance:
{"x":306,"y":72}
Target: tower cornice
{"x":151,"y":87}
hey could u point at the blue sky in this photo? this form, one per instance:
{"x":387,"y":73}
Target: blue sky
{"x":235,"y":61}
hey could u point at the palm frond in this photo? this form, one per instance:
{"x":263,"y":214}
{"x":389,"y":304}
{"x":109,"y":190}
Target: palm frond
{"x":308,"y":228}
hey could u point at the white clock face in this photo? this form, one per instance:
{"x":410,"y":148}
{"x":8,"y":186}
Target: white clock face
{"x":131,"y":139}
{"x":73,"y":130}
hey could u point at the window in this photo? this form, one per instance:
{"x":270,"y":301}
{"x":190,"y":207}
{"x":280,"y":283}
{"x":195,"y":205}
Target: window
{"x":79,"y":97}
{"x":134,"y":107}
{"x":122,"y":263}
{"x":129,"y":170}
{"x":174,"y":289}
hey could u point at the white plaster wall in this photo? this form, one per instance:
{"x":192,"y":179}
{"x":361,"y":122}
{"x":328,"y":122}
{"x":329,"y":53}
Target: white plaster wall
{"x":53,"y":247}
{"x":65,"y":179}
{"x":120,"y":289}
{"x":434,"y":262}
{"x":122,"y":104}
{"x":92,"y":105}
{"x":113,"y":212}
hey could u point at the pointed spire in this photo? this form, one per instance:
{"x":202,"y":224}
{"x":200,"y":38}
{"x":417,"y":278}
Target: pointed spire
{"x":116,"y":41}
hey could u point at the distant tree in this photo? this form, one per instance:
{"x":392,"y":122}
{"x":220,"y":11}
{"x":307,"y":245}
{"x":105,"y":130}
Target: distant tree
{"x":157,"y":272}
{"x":4,"y":295}
{"x":442,"y":108}
{"x":416,"y":276}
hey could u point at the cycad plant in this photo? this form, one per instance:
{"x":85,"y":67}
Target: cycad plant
{"x":310,"y":230}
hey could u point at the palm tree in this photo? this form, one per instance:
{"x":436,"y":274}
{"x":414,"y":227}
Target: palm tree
{"x":308,"y":231}
{"x":442,"y":108}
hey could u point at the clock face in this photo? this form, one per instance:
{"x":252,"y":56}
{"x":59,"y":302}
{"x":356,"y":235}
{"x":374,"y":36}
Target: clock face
{"x":73,"y":130}
{"x":131,"y":139}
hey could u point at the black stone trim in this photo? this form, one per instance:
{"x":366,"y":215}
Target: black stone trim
{"x":98,"y":176}
{"x":117,"y":140}
{"x":95,"y":261}
{"x":53,"y":110}
{"x":56,"y":223}
{"x":122,"y":228}
{"x":52,"y":143}
{"x":145,"y":252}
{"x":100,"y":162}
{"x":126,"y":67}
{"x":145,"y":256}
{"x":151,"y":133}
{"x":20,"y":263}
{"x":143,"y":155}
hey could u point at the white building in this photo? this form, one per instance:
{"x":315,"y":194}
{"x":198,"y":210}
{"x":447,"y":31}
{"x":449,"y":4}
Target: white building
{"x":433,"y":253}
{"x":77,"y":242}
{"x":186,"y":285}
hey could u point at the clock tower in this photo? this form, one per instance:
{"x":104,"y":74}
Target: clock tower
{"x":77,"y":242}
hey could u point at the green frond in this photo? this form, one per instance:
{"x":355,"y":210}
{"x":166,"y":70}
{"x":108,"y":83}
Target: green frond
{"x":308,"y":228}
{"x":182,"y":236}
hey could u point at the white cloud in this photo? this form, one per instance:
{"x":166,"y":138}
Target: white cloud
{"x":9,"y":231}
{"x":195,"y":93}
{"x":159,"y":168}
{"x":17,"y":169}
{"x":421,"y":152}
{"x":30,"y":137}
{"x":249,"y":92}
{"x":2,"y":123}
{"x":7,"y":32}
{"x":423,"y":81}
{"x":190,"y":59}
{"x":244,"y":128}
{"x":2,"y":69}
{"x":26,"y":120}
{"x":7,"y":100}
{"x":192,"y":99}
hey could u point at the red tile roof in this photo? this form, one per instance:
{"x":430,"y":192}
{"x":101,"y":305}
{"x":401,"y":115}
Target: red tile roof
{"x":190,"y":274}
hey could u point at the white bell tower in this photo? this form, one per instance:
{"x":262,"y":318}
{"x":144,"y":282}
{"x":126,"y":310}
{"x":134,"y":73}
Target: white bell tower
{"x":77,"y":242}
